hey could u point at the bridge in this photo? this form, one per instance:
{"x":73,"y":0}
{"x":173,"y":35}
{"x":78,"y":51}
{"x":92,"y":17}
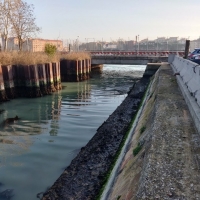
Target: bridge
{"x":131,"y":57}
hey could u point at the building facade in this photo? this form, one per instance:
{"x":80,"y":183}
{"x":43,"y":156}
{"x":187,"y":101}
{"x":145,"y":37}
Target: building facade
{"x":32,"y":45}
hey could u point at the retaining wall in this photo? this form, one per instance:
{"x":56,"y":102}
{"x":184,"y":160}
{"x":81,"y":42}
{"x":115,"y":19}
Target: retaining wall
{"x":188,"y":78}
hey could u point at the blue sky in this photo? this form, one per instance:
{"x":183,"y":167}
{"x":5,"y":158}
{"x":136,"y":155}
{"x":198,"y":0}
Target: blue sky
{"x":91,"y":20}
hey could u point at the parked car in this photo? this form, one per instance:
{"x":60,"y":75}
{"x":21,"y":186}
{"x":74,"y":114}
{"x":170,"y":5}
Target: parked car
{"x":194,"y":53}
{"x":196,"y":58}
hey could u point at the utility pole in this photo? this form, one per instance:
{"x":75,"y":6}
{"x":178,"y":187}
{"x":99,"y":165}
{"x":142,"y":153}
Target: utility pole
{"x":187,"y":47}
{"x":136,"y":43}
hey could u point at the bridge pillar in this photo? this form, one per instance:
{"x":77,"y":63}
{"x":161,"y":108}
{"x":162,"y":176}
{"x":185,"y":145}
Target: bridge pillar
{"x":96,"y":69}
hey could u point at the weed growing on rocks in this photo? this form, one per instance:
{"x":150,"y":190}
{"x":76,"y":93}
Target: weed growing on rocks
{"x":137,"y":149}
{"x":142,"y":129}
{"x":118,"y":197}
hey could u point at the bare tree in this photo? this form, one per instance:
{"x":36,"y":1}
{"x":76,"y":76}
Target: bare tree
{"x":22,"y":21}
{"x":5,"y":26}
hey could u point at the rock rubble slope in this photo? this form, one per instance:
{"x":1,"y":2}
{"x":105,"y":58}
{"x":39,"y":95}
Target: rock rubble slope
{"x":84,"y":177}
{"x":168,"y":165}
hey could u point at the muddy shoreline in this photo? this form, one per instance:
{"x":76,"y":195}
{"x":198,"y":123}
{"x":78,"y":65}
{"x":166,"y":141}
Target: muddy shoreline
{"x":84,"y":177}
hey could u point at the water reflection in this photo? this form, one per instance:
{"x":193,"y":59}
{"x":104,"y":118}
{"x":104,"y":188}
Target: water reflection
{"x":31,"y":149}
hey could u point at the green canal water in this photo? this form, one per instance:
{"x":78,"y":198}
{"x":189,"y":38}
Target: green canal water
{"x":36,"y":149}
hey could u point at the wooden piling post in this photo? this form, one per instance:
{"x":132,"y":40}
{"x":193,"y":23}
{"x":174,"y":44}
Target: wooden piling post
{"x":19,"y":80}
{"x":87,"y":68}
{"x":187,"y":47}
{"x":83,"y":69}
{"x":68,"y":66}
{"x":8,"y":81}
{"x":90,"y":66}
{"x":80,"y":70}
{"x":42,"y":79}
{"x":59,"y":76}
{"x":3,"y":96}
{"x":56,"y":75}
{"x":63,"y":70}
{"x":32,"y":81}
{"x":74,"y":71}
{"x":49,"y":77}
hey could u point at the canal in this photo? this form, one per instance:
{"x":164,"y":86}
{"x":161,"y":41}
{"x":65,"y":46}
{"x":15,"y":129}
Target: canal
{"x":36,"y":149}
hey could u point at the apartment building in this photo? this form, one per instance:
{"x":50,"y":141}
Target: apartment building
{"x":32,"y":45}
{"x":38,"y":45}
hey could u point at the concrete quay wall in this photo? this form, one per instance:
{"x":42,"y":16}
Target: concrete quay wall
{"x":167,"y":161}
{"x":188,"y":78}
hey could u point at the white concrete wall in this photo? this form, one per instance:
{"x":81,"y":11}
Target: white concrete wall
{"x":188,"y":78}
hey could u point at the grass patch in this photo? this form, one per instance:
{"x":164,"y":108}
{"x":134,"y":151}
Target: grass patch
{"x":137,"y":149}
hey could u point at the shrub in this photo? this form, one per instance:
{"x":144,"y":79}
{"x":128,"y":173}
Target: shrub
{"x":50,"y":49}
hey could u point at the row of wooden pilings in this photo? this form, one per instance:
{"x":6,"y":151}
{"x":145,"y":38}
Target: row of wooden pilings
{"x":75,"y":70}
{"x":41,"y":79}
{"x":29,"y":81}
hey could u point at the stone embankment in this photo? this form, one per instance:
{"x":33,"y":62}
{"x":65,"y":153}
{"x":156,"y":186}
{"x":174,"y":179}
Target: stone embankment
{"x":167,"y":165}
{"x":86,"y":174}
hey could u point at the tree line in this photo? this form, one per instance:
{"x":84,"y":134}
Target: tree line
{"x":17,"y":20}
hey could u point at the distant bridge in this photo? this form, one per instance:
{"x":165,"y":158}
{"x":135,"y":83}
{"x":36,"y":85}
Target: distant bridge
{"x":131,"y":57}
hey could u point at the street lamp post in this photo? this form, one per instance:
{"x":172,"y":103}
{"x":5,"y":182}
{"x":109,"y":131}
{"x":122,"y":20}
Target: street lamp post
{"x":147,"y":43}
{"x":167,"y":44}
{"x":157,"y":47}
